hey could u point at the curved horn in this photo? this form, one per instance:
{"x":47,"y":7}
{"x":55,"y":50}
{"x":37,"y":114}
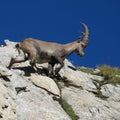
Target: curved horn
{"x":86,"y":34}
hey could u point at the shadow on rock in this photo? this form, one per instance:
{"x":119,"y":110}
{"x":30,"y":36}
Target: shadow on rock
{"x":28,"y":70}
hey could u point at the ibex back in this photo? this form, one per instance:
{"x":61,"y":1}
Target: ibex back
{"x":38,"y":51}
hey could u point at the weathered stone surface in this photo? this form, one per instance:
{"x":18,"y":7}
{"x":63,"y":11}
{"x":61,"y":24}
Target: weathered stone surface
{"x":25,"y":95}
{"x":45,"y":83}
{"x":9,"y":43}
{"x":111,"y":91}
{"x":89,"y":107}
{"x":7,"y":104}
{"x":24,"y":100}
{"x":38,"y":105}
{"x":77,"y":77}
{"x":6,"y":52}
{"x":4,"y":71}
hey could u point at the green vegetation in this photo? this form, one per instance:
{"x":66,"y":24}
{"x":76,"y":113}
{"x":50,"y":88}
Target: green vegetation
{"x":110,"y":74}
{"x":86,"y":70}
{"x":69,"y":110}
{"x":98,"y":93}
{"x":61,"y":82}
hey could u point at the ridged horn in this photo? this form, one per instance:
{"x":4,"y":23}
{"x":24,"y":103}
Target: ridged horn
{"x":86,"y":34}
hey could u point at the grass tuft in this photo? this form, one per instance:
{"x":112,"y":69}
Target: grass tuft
{"x":111,"y":74}
{"x":86,"y":70}
{"x":69,"y":110}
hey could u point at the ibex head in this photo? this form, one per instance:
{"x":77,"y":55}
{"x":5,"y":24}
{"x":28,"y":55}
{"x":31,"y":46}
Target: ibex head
{"x":83,"y":42}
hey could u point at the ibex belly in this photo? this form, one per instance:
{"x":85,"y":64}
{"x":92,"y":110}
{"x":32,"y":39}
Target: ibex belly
{"x":40,"y":61}
{"x":43,"y":58}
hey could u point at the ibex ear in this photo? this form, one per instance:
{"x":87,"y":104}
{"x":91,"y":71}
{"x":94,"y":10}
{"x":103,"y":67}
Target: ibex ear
{"x":79,"y":39}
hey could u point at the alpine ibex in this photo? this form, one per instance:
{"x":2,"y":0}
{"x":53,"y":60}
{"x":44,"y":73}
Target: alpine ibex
{"x":38,"y":51}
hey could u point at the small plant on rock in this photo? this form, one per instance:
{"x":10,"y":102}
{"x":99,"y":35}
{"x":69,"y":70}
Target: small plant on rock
{"x":111,"y":74}
{"x":86,"y":70}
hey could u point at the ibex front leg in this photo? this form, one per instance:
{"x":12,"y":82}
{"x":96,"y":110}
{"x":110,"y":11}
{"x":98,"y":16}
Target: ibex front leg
{"x":59,"y":60}
{"x":50,"y":69}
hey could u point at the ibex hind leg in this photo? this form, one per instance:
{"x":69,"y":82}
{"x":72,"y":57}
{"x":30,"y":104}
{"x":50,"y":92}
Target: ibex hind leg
{"x":18,"y":59}
{"x":33,"y":58}
{"x":33,"y":64}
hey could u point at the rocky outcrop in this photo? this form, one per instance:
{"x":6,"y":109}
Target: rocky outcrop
{"x":26,"y":95}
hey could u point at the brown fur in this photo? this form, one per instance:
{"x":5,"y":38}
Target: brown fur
{"x":38,"y":51}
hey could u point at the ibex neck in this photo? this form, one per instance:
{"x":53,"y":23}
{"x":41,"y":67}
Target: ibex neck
{"x":71,"y":47}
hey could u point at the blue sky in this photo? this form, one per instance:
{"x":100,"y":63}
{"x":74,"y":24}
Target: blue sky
{"x":59,"y":21}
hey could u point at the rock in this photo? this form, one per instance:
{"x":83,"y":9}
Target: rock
{"x":89,"y":107}
{"x":26,"y":95}
{"x":95,"y":77}
{"x":45,"y":83}
{"x":77,"y":77}
{"x":4,"y":71}
{"x":7,"y":104}
{"x":111,"y":91}
{"x":38,"y":105}
{"x":96,"y":71}
{"x":9,"y":43}
{"x":6,"y":53}
{"x":22,"y":100}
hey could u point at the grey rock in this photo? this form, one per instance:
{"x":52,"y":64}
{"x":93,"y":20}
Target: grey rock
{"x":7,"y":104}
{"x":77,"y":77}
{"x":89,"y":107}
{"x":45,"y":83}
{"x":9,"y":43}
{"x":6,"y":53}
{"x":25,"y":95}
{"x":111,"y":91}
{"x":96,"y":71}
{"x":38,"y":105}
